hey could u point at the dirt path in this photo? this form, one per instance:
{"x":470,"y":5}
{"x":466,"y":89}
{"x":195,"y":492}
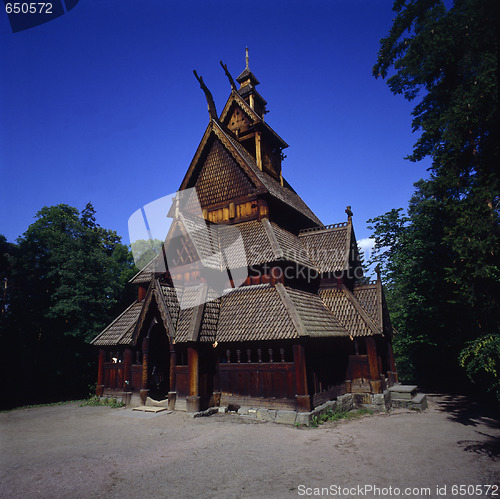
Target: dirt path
{"x":72,"y":451}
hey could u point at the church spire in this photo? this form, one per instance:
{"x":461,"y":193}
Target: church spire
{"x":247,"y":77}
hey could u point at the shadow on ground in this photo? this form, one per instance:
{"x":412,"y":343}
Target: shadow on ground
{"x":471,"y":412}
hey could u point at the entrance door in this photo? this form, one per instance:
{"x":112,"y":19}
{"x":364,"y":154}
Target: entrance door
{"x":159,"y":363}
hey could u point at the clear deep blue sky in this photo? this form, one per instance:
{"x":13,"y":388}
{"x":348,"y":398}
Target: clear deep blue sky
{"x":101,"y":104}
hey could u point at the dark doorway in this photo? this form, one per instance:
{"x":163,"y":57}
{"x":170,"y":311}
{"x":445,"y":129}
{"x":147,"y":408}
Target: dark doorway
{"x":159,"y":363}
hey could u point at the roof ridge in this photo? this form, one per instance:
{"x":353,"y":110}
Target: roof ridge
{"x":360,"y":309}
{"x":195,"y":322}
{"x":292,"y":309}
{"x":339,"y":225}
{"x":160,"y":297}
{"x":275,"y":246}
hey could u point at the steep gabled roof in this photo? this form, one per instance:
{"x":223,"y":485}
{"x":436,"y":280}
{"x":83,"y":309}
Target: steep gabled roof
{"x":235,"y":99}
{"x":262,"y":182}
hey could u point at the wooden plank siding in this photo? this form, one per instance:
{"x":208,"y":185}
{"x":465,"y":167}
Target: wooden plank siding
{"x":258,"y":380}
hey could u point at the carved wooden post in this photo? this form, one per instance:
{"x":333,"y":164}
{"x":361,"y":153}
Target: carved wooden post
{"x":172,"y":394}
{"x":100,"y":373}
{"x":282,"y":354}
{"x":193,"y":400}
{"x":302,"y":396}
{"x":144,"y":388}
{"x":371,"y":350}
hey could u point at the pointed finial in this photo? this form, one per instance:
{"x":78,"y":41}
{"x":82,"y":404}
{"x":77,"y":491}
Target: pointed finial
{"x":349,"y":213}
{"x":208,"y":95}
{"x":246,"y":57}
{"x":377,"y":271}
{"x":228,"y":74}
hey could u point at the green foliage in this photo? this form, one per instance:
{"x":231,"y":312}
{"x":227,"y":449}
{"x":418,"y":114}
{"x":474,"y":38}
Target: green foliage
{"x":144,"y":250}
{"x":481,"y":359}
{"x":441,"y":259}
{"x":102,"y":401}
{"x":337,"y":415}
{"x":67,"y":279}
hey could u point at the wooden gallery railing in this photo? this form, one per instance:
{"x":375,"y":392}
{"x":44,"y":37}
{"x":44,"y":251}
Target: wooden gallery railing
{"x":113,"y":375}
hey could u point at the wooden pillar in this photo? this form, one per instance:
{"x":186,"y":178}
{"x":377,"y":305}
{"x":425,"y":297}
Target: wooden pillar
{"x":141,"y":294}
{"x":371,"y":350}
{"x":302,"y":396}
{"x":172,"y":394}
{"x":100,"y":373}
{"x":193,"y":400}
{"x":144,"y":388}
{"x":258,"y":153}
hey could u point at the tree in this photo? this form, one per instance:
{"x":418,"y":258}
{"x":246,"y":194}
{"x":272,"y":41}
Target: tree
{"x":450,"y":56}
{"x":69,"y":275}
{"x":144,"y":250}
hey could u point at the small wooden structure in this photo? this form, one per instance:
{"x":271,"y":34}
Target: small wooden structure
{"x":300,"y":330}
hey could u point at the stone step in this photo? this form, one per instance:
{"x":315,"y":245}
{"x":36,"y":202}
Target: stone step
{"x":417,"y":403}
{"x":402,"y":392}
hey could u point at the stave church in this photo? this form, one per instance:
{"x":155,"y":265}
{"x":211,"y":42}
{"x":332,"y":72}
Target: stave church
{"x":251,"y":301}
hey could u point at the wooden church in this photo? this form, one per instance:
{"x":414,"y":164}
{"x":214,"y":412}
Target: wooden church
{"x":299,"y":328}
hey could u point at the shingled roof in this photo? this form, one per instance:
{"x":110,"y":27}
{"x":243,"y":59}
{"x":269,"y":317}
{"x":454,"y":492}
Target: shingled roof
{"x":265,"y":241}
{"x":328,"y":246}
{"x":263,"y":182}
{"x":349,"y":311}
{"x":263,"y":312}
{"x":119,"y":332}
{"x":369,"y":296}
{"x":145,"y":275}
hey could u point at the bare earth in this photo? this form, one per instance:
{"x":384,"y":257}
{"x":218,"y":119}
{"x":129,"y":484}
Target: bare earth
{"x":73,"y":451}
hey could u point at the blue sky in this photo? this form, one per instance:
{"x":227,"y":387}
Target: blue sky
{"x":101,"y":104}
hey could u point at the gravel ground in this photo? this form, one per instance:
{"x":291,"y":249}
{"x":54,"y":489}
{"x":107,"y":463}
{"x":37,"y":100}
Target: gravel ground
{"x":72,"y":451}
